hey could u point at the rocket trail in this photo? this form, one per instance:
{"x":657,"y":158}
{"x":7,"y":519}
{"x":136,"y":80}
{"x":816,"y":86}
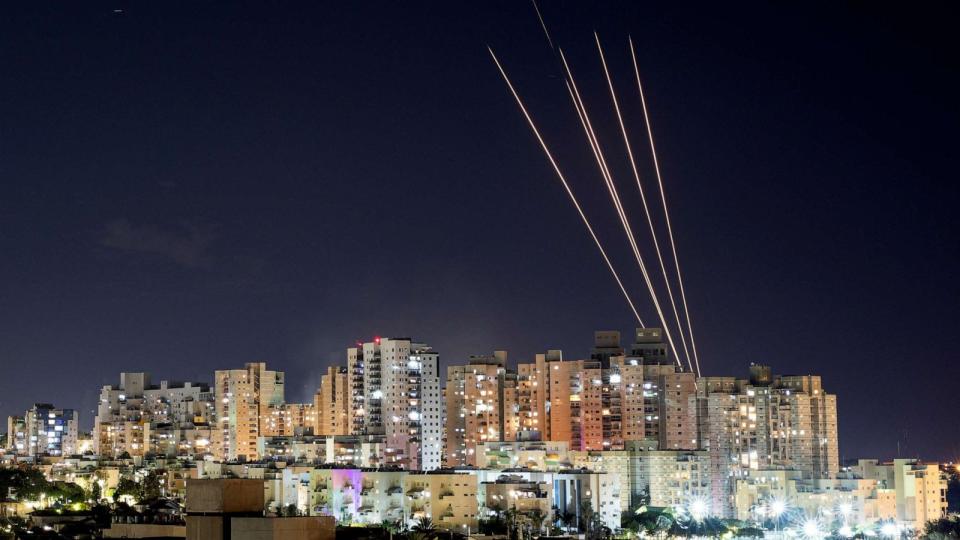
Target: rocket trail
{"x":646,"y":208}
{"x":566,"y":186}
{"x":663,"y":198}
{"x":590,"y":133}
{"x":542,"y":23}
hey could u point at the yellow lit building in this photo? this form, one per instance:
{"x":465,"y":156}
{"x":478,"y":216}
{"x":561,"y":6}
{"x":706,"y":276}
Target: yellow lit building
{"x":332,"y":403}
{"x":248,"y":402}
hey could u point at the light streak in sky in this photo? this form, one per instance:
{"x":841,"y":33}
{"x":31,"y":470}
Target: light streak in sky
{"x":646,"y":208}
{"x":542,"y":23}
{"x":666,"y":213}
{"x":566,"y":186}
{"x":591,"y":135}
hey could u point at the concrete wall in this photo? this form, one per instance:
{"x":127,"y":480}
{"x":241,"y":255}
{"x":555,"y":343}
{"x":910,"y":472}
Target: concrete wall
{"x":205,"y":527}
{"x":145,"y":530}
{"x":296,"y":528}
{"x":227,"y":495}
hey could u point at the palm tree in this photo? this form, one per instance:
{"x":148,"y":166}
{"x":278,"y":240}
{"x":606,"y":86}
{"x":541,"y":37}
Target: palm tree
{"x":537,"y":518}
{"x":568,"y":519}
{"x":425,"y":527}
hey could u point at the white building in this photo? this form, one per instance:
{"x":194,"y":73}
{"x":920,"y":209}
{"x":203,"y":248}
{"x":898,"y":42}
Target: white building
{"x":396,"y":393}
{"x":136,"y":417}
{"x":48,"y":431}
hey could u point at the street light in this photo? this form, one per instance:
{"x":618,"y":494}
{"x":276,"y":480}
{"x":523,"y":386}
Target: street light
{"x":778,"y":507}
{"x":699,"y":509}
{"x":811,"y":529}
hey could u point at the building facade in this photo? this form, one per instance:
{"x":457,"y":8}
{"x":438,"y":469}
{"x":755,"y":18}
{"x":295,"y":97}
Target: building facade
{"x":332,"y":403}
{"x":137,"y":417}
{"x":247,"y":401}
{"x":481,"y":405}
{"x":395,"y":392}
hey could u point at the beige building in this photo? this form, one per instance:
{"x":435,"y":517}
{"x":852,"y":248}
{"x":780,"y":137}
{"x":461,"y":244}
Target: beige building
{"x":346,"y":450}
{"x":448,"y":498}
{"x":762,"y":423}
{"x":514,"y":492}
{"x":332,"y":403}
{"x":535,"y":455}
{"x":666,"y":478}
{"x":919,"y":488}
{"x":481,"y":405}
{"x":616,"y":396}
{"x":248,"y":402}
{"x":365,"y":496}
{"x":850,"y":499}
{"x":16,"y":435}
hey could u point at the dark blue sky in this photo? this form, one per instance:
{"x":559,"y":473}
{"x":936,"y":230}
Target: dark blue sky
{"x":186,"y":187}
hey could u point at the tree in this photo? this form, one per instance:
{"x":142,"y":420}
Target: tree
{"x":391,"y":526}
{"x":151,"y":485}
{"x":26,"y":484}
{"x":713,"y":527}
{"x":96,"y":492}
{"x":495,"y":524}
{"x":536,"y":517}
{"x":66,"y":493}
{"x":126,"y":487}
{"x":591,"y":523}
{"x":654,"y":522}
{"x":425,"y":528}
{"x":942,"y":529}
{"x":749,"y":532}
{"x":568,"y":519}
{"x":953,"y":491}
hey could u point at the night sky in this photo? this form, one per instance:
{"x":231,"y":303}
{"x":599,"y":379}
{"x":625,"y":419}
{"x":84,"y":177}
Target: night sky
{"x":186,"y":187}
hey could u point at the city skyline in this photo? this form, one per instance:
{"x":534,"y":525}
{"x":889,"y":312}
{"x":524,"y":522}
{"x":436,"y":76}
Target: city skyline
{"x":182,"y":207}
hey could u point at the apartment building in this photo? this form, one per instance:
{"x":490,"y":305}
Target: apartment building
{"x":137,"y":417}
{"x":247,"y":403}
{"x":481,"y":405}
{"x":395,"y":391}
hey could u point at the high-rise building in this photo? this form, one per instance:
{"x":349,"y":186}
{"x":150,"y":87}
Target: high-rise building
{"x":246,"y":403}
{"x":543,"y":395}
{"x":294,"y":418}
{"x":395,"y":391}
{"x":481,"y":405}
{"x":16,"y":435}
{"x":613,"y":397}
{"x":44,"y":430}
{"x":137,"y":417}
{"x":332,"y":403}
{"x":606,"y":345}
{"x":654,"y":394}
{"x":765,"y":422}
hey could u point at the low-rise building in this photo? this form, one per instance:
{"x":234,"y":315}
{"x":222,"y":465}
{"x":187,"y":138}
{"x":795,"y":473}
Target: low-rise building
{"x":920,"y":488}
{"x":537,"y":455}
